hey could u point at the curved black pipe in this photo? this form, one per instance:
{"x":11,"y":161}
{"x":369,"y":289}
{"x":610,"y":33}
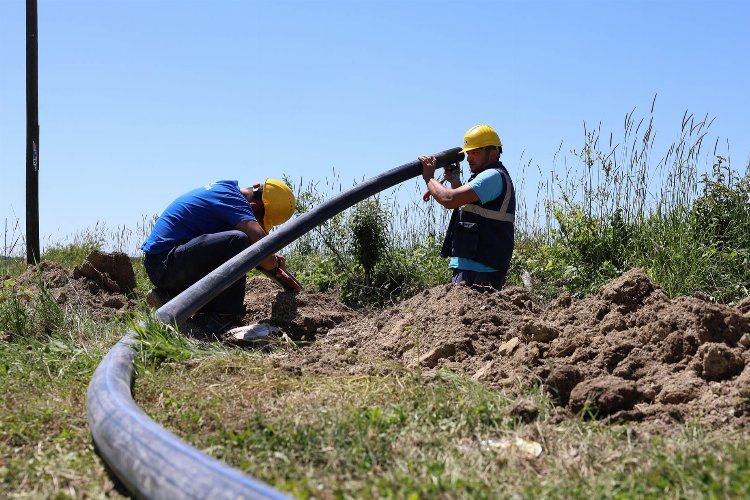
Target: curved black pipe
{"x":201,"y":293}
{"x":151,"y":462}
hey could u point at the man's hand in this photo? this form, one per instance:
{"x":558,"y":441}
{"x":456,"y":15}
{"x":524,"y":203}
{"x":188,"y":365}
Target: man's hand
{"x":280,"y":260}
{"x":428,"y":167}
{"x":452,"y":174}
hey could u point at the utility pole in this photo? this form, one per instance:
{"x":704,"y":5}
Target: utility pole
{"x":32,"y":134}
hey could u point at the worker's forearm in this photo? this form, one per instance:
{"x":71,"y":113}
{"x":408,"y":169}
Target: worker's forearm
{"x":440,"y":193}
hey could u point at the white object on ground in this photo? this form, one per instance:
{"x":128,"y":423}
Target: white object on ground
{"x":532,"y":449}
{"x":252,"y":333}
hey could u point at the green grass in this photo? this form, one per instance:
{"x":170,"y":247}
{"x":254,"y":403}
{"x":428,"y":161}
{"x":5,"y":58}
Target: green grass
{"x":48,"y":354}
{"x":11,"y":266}
{"x":45,"y":444}
{"x":399,"y":436}
{"x":337,"y":437}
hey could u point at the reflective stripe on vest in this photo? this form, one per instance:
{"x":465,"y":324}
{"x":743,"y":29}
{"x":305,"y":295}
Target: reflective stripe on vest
{"x":502,"y":214}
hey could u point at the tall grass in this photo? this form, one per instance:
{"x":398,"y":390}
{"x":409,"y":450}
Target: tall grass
{"x":621,"y":200}
{"x":55,"y":247}
{"x":378,"y":252}
{"x":623,"y":205}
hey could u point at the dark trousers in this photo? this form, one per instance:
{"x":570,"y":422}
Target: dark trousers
{"x":183,"y":265}
{"x":495,"y":280}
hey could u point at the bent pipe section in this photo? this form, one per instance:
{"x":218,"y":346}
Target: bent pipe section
{"x":149,"y":460}
{"x":201,"y":293}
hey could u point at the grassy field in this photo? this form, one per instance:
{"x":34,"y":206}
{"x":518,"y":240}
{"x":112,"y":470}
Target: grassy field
{"x":339,"y":437}
{"x":45,"y":445}
{"x":342,"y":437}
{"x":407,"y":437}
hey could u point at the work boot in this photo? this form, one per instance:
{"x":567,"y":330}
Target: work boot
{"x":157,"y":297}
{"x":217,"y":324}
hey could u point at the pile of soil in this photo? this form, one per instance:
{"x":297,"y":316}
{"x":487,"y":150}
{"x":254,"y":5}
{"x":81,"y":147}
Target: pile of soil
{"x":627,"y":353}
{"x":302,"y":316}
{"x":103,"y":285}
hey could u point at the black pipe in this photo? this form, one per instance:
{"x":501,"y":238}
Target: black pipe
{"x":201,"y":293}
{"x":151,"y":462}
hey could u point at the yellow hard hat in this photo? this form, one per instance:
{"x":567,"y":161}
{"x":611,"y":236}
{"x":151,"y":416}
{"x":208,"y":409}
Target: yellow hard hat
{"x":278,"y":203}
{"x":480,"y":136}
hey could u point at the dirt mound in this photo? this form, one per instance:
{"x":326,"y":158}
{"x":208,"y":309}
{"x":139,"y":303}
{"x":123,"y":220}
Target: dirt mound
{"x":626,"y":353}
{"x":303,"y":315}
{"x":103,"y":285}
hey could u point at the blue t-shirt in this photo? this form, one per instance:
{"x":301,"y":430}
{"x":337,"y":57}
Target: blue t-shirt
{"x":213,"y":208}
{"x":487,"y":185}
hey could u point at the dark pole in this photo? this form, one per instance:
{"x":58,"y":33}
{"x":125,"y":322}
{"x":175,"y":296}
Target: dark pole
{"x":32,"y":135}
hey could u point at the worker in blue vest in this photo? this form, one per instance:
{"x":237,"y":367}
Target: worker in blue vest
{"x":206,"y":227}
{"x":480,"y":235}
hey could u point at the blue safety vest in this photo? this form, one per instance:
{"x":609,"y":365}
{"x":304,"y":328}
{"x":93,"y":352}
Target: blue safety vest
{"x":484,"y":232}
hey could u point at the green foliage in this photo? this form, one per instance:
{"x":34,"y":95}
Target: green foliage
{"x":698,"y":246}
{"x":73,"y":254}
{"x":27,"y":312}
{"x":159,"y":343}
{"x":688,"y":231}
{"x":321,"y":272}
{"x":15,"y":317}
{"x":364,"y":255}
{"x":48,"y":314}
{"x":585,"y":252}
{"x":44,"y":438}
{"x":142,"y":282}
{"x":369,"y":236}
{"x":400,"y":274}
{"x":11,"y":266}
{"x":721,"y":214}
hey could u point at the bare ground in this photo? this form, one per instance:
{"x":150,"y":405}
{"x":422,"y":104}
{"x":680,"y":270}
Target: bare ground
{"x":104,"y":284}
{"x":627,"y":353}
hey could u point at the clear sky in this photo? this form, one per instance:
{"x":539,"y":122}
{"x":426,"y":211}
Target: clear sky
{"x":142,"y":100}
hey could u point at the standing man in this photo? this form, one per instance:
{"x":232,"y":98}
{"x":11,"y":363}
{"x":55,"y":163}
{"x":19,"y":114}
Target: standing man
{"x":206,"y":227}
{"x":480,"y":235}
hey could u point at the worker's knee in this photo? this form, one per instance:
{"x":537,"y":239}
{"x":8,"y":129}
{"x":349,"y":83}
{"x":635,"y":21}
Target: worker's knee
{"x":237,"y":240}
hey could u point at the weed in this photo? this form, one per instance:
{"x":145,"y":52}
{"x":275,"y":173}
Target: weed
{"x":45,"y":444}
{"x":14,"y":313}
{"x":159,"y":343}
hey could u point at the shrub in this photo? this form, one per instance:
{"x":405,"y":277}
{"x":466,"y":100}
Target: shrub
{"x":369,"y":237}
{"x":721,"y":214}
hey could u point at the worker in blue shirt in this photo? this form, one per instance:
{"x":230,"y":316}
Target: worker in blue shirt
{"x":206,"y":227}
{"x":480,"y":235}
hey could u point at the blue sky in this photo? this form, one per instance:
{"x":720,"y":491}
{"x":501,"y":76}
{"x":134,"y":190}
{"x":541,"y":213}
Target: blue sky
{"x":141,"y":100}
